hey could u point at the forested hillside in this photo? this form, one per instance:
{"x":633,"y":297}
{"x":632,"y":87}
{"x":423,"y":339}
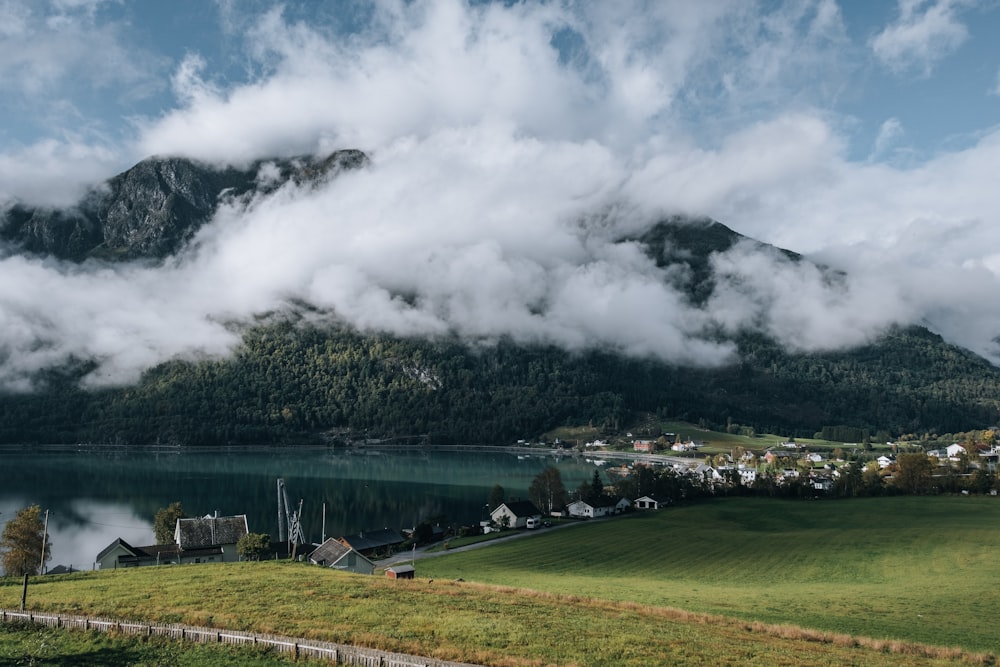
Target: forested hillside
{"x":305,"y":375}
{"x":298,"y":382}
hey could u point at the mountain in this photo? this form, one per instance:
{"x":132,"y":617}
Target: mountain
{"x":301,"y":375}
{"x":152,"y":209}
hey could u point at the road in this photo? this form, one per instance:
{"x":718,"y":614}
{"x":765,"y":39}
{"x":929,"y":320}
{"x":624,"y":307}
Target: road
{"x":421,"y":552}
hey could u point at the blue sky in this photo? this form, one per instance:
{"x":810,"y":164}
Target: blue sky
{"x":863,"y":134}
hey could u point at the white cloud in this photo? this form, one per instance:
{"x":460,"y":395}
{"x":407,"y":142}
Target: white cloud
{"x":53,"y":172}
{"x":502,"y":169}
{"x":925,"y":32}
{"x":46,"y":49}
{"x":889,"y":134}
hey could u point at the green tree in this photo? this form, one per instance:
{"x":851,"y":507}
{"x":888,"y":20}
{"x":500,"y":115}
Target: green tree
{"x":871,"y":480}
{"x":21,"y":543}
{"x":596,"y":485}
{"x":253,"y":545}
{"x":547,"y":490}
{"x":913,"y":473}
{"x":982,"y":480}
{"x":496,"y":497}
{"x":423,"y":533}
{"x":165,"y":522}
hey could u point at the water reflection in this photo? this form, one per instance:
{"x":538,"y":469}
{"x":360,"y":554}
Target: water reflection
{"x":98,"y":494}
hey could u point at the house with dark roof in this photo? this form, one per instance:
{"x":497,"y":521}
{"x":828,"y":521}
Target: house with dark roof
{"x":515,"y":513}
{"x":371,"y":542}
{"x":122,"y":554}
{"x":339,"y":556}
{"x":400,"y":572}
{"x":208,"y":539}
{"x":211,"y":531}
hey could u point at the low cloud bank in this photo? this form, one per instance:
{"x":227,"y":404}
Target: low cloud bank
{"x":512,"y":146}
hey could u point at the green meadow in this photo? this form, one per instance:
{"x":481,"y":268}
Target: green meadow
{"x":42,"y":647}
{"x":911,"y":568}
{"x":889,"y":581}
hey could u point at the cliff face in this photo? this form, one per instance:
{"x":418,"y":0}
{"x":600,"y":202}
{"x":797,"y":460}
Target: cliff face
{"x":152,"y":209}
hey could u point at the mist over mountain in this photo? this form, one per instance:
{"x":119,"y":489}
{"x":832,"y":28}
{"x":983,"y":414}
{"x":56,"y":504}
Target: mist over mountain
{"x":186,"y":302}
{"x":152,"y":209}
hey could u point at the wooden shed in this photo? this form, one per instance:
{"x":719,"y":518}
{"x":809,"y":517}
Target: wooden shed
{"x":400,"y":572}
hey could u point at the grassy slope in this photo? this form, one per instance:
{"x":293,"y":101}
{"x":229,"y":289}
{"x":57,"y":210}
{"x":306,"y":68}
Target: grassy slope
{"x":909,"y":568}
{"x":903,"y":568}
{"x":39,"y":646}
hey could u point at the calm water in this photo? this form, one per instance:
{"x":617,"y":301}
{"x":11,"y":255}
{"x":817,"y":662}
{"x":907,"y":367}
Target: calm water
{"x":95,"y":495}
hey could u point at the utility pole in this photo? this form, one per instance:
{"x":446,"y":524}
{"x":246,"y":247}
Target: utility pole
{"x":45,"y":534}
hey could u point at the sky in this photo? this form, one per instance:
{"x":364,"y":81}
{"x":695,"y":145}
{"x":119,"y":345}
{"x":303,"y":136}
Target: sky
{"x":512,"y":144}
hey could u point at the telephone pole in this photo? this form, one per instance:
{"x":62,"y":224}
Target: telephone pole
{"x":45,"y":534}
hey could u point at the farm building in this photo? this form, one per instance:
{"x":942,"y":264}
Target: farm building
{"x":371,"y":542}
{"x":400,"y":572}
{"x":336,"y":555}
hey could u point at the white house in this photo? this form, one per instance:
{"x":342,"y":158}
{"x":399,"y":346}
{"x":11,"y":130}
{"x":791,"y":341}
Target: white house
{"x":653,"y":501}
{"x":515,"y":514}
{"x":885,"y":461}
{"x":956,"y":450}
{"x":603,"y":506}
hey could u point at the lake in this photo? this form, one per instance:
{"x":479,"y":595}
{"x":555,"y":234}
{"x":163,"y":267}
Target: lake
{"x":97,"y":494}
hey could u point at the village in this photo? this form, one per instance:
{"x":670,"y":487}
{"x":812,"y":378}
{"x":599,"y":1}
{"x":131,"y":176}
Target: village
{"x":213,"y":538}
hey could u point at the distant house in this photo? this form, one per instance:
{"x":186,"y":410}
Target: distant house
{"x":644,"y":445}
{"x":885,"y":461}
{"x":209,"y":539}
{"x":653,"y":501}
{"x":956,"y":450}
{"x":603,"y":506}
{"x":371,"y":542}
{"x":120,"y":554}
{"x":821,"y":483}
{"x":706,"y":473}
{"x":400,"y":572}
{"x":211,"y":532}
{"x":515,"y":514}
{"x":770,"y":456}
{"x":336,"y":555}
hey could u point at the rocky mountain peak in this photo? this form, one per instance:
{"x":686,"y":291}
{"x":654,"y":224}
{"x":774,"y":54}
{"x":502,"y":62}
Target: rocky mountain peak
{"x":152,"y":209}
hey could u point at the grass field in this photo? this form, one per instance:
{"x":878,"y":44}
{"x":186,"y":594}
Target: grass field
{"x":749,"y":575}
{"x":714,"y":441}
{"x":40,"y":646}
{"x":910,"y":568}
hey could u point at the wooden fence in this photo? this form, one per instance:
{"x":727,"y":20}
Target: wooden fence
{"x":341,"y":654}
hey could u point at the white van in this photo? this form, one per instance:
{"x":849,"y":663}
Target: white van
{"x":531,"y":523}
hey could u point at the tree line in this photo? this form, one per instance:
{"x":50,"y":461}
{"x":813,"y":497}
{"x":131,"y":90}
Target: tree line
{"x":297,"y":382}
